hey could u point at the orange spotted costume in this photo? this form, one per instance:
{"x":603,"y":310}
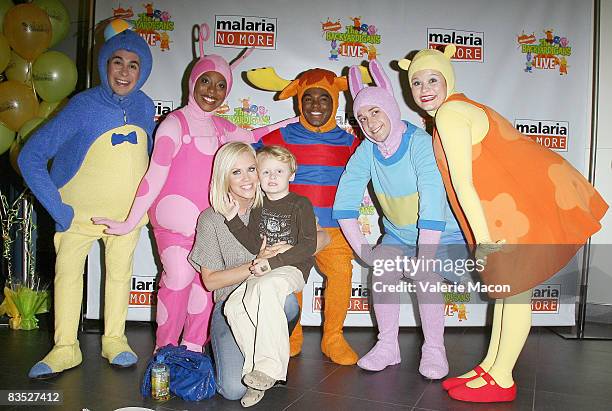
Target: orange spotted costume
{"x":532,"y":197}
{"x":502,"y":186}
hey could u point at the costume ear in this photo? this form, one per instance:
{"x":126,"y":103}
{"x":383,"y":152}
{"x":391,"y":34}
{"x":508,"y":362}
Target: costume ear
{"x":203,"y":36}
{"x":404,"y":64}
{"x":354,"y":80}
{"x":449,"y":51}
{"x":240,"y":59}
{"x":341,"y":83}
{"x":380,"y":78}
{"x":290,"y":91}
{"x":267,"y":79}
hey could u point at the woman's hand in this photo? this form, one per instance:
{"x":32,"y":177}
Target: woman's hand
{"x":114,"y":227}
{"x":259,"y":267}
{"x":231,"y":207}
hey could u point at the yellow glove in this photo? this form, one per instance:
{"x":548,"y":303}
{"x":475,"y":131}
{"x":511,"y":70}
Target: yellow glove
{"x":488,"y":247}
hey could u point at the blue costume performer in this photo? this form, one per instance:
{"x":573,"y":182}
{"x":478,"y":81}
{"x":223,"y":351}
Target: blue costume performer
{"x":99,"y":144}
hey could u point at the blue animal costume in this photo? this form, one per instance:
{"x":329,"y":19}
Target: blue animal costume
{"x":99,"y":144}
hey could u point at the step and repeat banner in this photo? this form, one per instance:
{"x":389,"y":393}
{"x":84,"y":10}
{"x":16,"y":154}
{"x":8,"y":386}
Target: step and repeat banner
{"x":530,"y":61}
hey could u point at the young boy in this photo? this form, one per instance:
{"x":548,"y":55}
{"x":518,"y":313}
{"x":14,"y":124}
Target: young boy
{"x":255,"y":309}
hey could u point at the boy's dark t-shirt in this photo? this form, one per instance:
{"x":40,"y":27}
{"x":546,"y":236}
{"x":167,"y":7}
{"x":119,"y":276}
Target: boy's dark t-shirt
{"x":290,"y":219}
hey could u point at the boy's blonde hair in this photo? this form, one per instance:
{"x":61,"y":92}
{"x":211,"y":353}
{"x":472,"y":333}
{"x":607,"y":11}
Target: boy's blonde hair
{"x":225,"y":159}
{"x":278,"y":153}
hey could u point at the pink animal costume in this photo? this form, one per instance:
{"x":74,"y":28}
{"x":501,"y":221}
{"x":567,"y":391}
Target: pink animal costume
{"x":174,"y":191}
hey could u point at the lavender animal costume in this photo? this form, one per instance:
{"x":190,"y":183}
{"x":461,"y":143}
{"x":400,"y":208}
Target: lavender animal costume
{"x":175,"y":192}
{"x":409,"y":188}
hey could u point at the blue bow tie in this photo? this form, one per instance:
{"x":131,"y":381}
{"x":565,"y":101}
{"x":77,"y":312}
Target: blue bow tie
{"x":122,"y":138}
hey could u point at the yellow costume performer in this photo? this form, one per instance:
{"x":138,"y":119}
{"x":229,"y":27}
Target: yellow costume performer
{"x":519,"y":202}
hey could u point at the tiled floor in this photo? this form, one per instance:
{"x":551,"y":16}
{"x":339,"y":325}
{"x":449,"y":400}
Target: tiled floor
{"x":552,"y":374}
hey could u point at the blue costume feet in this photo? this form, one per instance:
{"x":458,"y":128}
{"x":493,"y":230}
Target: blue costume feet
{"x":117,"y":351}
{"x":41,"y":371}
{"x":125,"y":359}
{"x":60,"y":358}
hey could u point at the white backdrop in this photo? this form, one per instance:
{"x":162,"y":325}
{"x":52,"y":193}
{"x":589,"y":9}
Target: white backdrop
{"x":547,"y":95}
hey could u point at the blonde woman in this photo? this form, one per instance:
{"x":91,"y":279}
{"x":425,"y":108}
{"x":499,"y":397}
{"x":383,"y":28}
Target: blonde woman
{"x":224,"y":263}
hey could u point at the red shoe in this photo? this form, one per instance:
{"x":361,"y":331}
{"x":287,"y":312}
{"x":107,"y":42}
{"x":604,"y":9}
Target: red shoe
{"x":487,"y":393}
{"x":453,"y":382}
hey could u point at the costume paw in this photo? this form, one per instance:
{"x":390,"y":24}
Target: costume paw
{"x":42,"y":371}
{"x":117,"y":351}
{"x":60,"y":358}
{"x":295,"y":341}
{"x":433,"y":362}
{"x":380,"y":357}
{"x":125,"y":359}
{"x":338,"y":350}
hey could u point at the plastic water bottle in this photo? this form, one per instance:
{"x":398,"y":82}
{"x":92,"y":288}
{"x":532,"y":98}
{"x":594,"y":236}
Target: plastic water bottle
{"x":160,"y":382}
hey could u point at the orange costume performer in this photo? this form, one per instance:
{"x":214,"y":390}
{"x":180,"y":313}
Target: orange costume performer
{"x":517,"y":201}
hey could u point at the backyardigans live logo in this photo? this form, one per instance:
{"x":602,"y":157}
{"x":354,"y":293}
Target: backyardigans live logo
{"x":366,"y":209}
{"x":548,"y":53}
{"x":455,"y":304}
{"x":356,"y":40}
{"x":152,"y":25}
{"x":247,"y":116}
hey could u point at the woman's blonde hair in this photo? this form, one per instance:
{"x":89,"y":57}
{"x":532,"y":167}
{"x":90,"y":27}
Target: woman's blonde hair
{"x":225,"y":159}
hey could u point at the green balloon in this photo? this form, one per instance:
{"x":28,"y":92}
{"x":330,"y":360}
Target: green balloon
{"x":7,"y":137}
{"x":45,"y":109}
{"x":18,"y":69}
{"x":5,"y":53}
{"x":54,"y":75}
{"x":60,"y":19}
{"x":28,"y":127}
{"x":4,"y":6}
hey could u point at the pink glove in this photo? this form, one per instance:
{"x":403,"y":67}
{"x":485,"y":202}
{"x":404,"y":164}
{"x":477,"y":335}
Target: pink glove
{"x":367,"y":253}
{"x":354,"y":236}
{"x":115,"y":227}
{"x":427,"y":243}
{"x":258,"y":133}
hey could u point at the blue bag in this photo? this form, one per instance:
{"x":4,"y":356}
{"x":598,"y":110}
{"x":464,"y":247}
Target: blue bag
{"x":192,"y":377}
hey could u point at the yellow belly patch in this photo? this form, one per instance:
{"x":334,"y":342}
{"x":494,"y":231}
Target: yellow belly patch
{"x":402,"y":210}
{"x":106,"y":183}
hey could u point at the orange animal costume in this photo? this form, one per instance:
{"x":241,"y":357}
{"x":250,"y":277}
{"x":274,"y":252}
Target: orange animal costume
{"x":502,"y":186}
{"x":322,"y":153}
{"x":532,"y":197}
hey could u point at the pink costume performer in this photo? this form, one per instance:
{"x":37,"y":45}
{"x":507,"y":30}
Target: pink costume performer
{"x":175,"y":191}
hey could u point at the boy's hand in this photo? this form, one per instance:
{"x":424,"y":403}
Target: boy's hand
{"x":260,"y":266}
{"x":231,"y":207}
